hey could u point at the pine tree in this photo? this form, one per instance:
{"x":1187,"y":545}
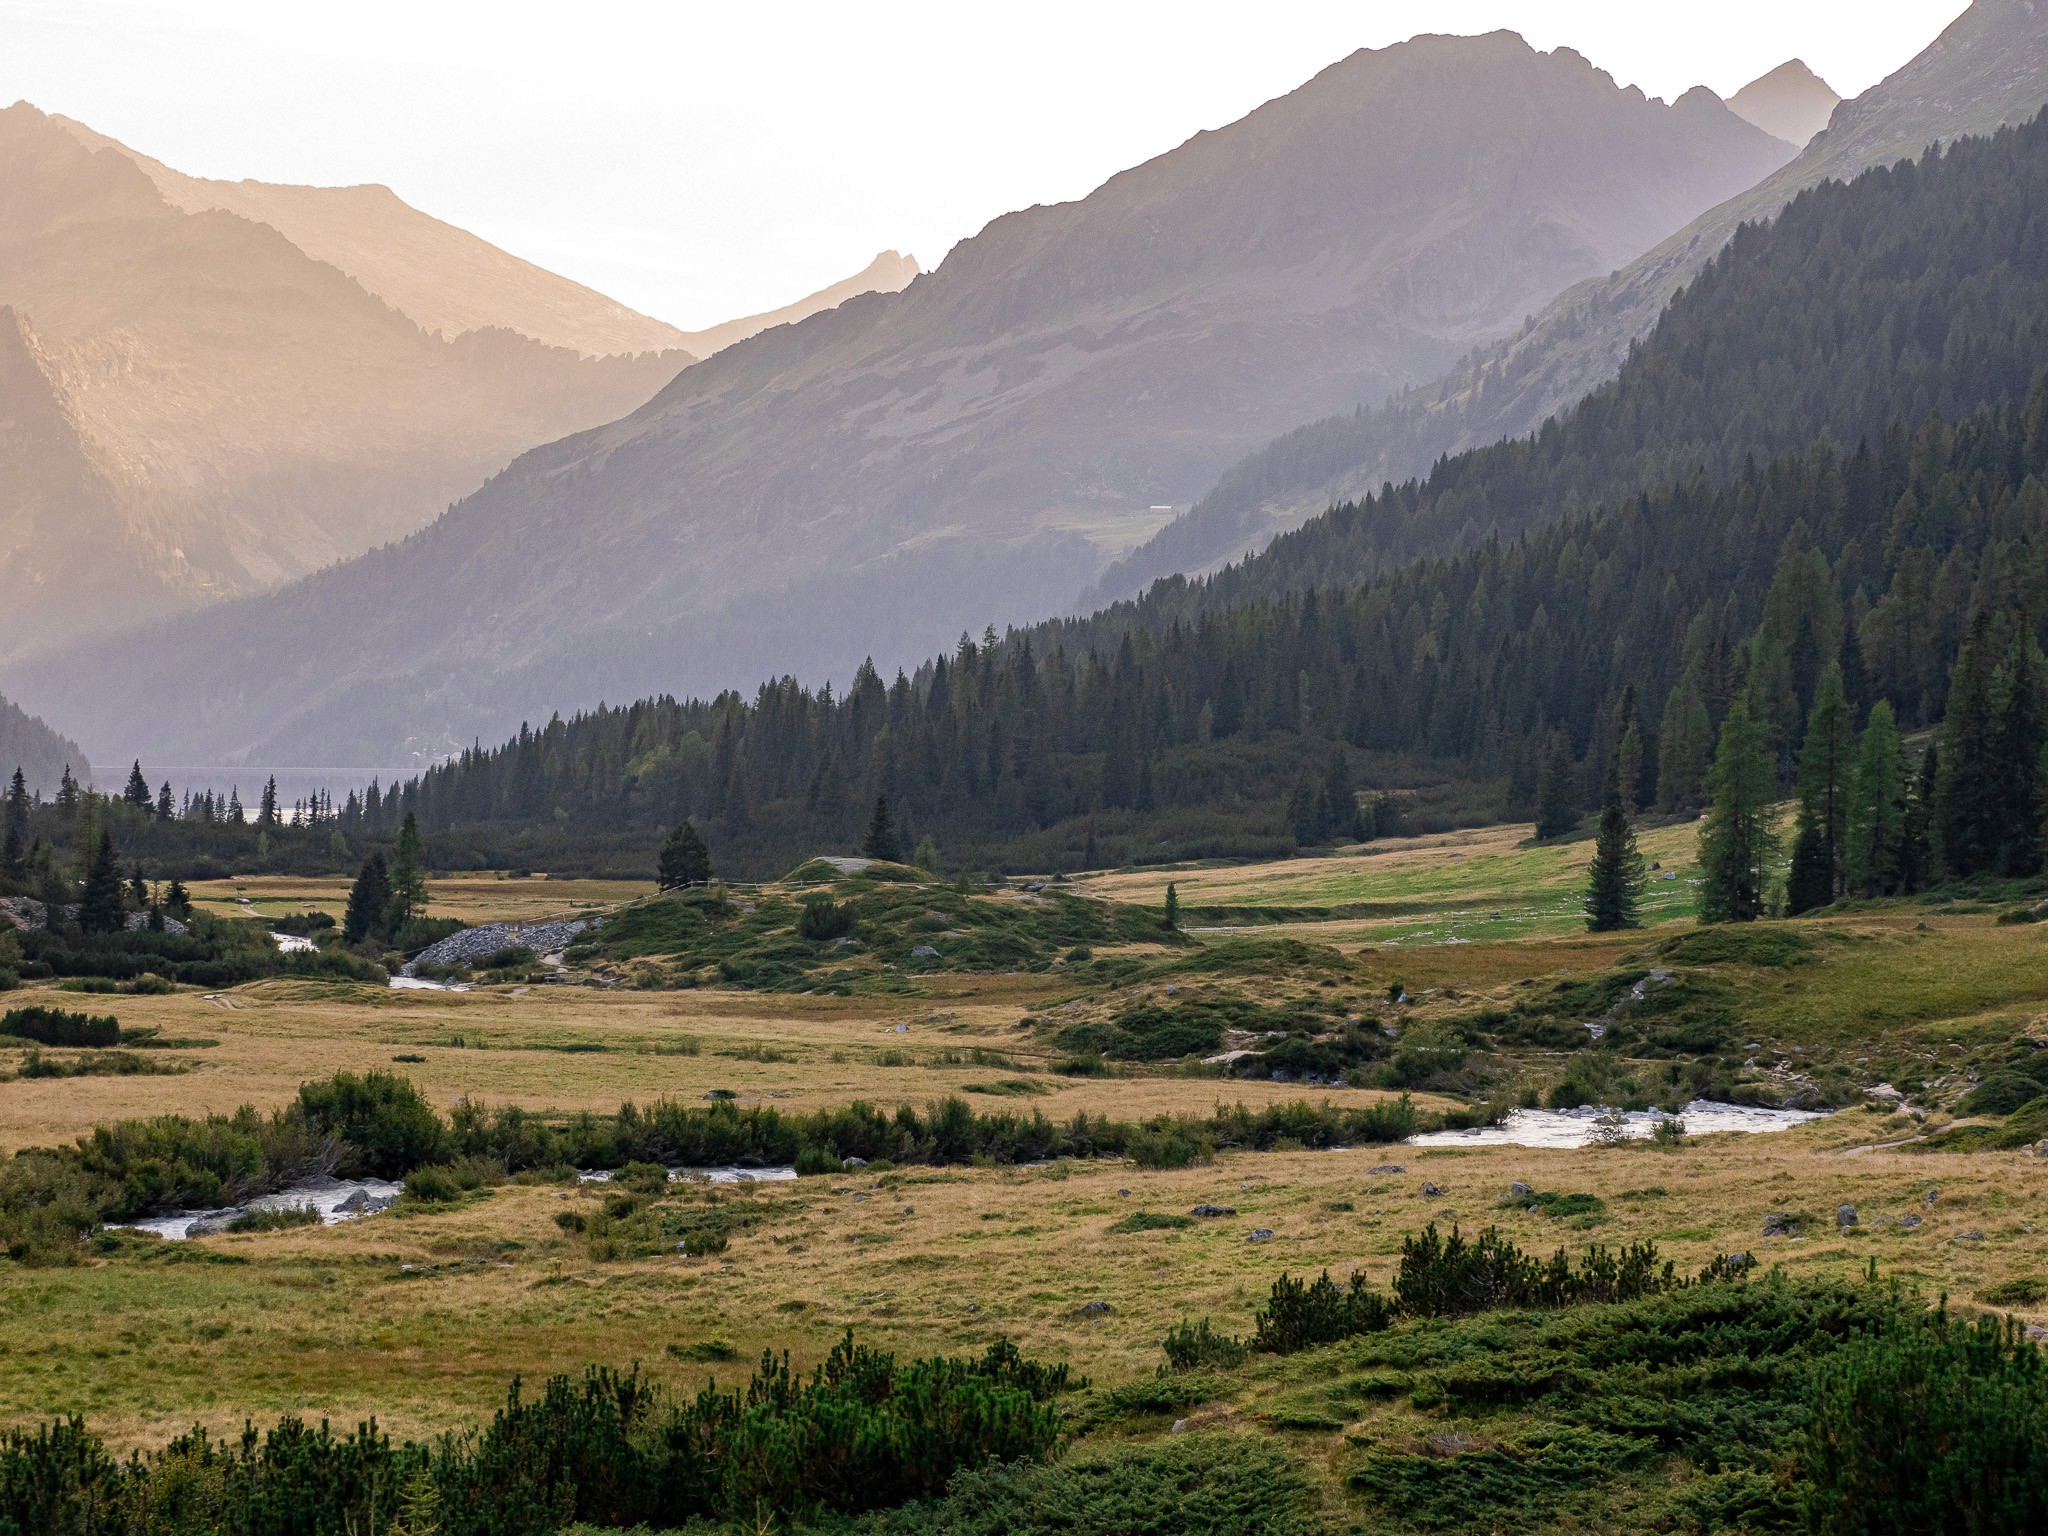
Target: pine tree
{"x":100,"y":909}
{"x":266,"y":810}
{"x":1557,"y":806}
{"x":1337,"y":806}
{"x":1301,"y":811}
{"x":1615,"y":886}
{"x":408,"y":876}
{"x":235,"y":817}
{"x":138,"y":888}
{"x":1967,"y":798}
{"x":369,"y":901}
{"x":685,"y":860}
{"x":67,"y":795}
{"x":1874,"y":860}
{"x":137,"y":793}
{"x":166,"y":805}
{"x":880,"y":843}
{"x":1172,"y":914}
{"x":1737,"y":844}
{"x":178,"y":899}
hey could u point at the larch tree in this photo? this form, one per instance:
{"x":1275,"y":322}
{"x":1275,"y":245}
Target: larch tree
{"x":1875,"y":856}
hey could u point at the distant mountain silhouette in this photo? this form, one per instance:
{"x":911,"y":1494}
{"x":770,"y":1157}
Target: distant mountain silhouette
{"x":974,"y":448}
{"x":1791,"y":102}
{"x":1990,"y":67}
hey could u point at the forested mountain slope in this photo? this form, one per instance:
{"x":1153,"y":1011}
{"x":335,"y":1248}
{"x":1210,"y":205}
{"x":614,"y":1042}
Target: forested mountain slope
{"x":1865,"y":320}
{"x":39,"y":752}
{"x":1987,"y":69}
{"x":876,"y":477}
{"x":248,"y":413}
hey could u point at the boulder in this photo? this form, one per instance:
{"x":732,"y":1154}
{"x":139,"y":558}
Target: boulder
{"x":1845,"y":1215}
{"x":1260,"y":1235}
{"x":1519,"y":1191}
{"x":1779,"y":1224}
{"x":1385,"y":1168}
{"x":1097,"y":1309}
{"x":1432,"y":1191}
{"x":1213,"y":1210}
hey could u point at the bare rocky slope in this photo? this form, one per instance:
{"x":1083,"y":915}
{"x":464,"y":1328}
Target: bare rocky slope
{"x":1791,"y":102}
{"x":972,"y":449}
{"x":1989,"y":68}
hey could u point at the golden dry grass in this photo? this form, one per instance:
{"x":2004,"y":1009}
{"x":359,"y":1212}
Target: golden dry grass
{"x":472,"y":898}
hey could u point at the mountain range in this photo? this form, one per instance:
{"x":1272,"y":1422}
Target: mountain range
{"x":210,"y":388}
{"x":1988,"y":68}
{"x":974,"y":448}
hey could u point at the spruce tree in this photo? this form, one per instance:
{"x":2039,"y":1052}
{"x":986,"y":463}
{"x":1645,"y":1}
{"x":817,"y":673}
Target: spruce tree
{"x":1337,"y":807}
{"x":2019,"y":733}
{"x":1301,"y":811}
{"x":1172,"y":914}
{"x":1557,"y":806}
{"x":137,"y":793}
{"x":1919,"y":858}
{"x":685,"y":860}
{"x":138,"y":888}
{"x":1826,"y":760}
{"x":100,"y":909}
{"x":1874,"y":860}
{"x":1614,"y":888}
{"x":266,"y":809}
{"x":67,"y":795}
{"x":369,"y":901}
{"x":408,"y":877}
{"x":178,"y":899}
{"x":166,"y":804}
{"x":14,"y":841}
{"x":880,"y":843}
{"x":1968,"y":808}
{"x":1737,"y":844}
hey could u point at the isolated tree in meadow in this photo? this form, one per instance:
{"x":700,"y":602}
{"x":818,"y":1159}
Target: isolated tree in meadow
{"x":100,"y":909}
{"x":685,"y":860}
{"x":408,"y":876}
{"x":1614,"y":887}
{"x":1172,"y":913}
{"x":1737,"y":844}
{"x":880,"y":843}
{"x":369,"y":901}
{"x":1874,"y":857}
{"x":1557,"y":805}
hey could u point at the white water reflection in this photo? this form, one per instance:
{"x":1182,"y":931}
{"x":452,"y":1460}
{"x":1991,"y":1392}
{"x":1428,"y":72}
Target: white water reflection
{"x":292,"y":943}
{"x":726,"y":1175}
{"x":421,"y":984}
{"x":1581,"y":1127}
{"x":334,"y":1199}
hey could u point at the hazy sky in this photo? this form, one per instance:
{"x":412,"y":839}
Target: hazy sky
{"x":705,"y":161}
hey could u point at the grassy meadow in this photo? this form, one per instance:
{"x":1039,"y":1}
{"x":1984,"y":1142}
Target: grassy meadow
{"x":421,"y":1315}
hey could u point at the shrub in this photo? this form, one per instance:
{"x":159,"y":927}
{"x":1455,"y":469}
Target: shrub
{"x":1442,"y":1277}
{"x":812,"y":1159}
{"x":432,"y":1185}
{"x":1151,"y":1221}
{"x":1931,"y":1425}
{"x":1190,"y":1346}
{"x":1166,"y":1143}
{"x":821,"y":918}
{"x":1298,"y":1315}
{"x":275,"y":1218}
{"x":2000,"y":1094}
{"x":51,"y":1026}
{"x":389,"y":1128}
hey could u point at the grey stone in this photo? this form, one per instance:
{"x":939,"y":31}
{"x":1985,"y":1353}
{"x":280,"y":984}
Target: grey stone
{"x":1097,"y":1309}
{"x":1260,"y":1235}
{"x":1124,"y":1194}
{"x":1385,"y":1168}
{"x":1519,"y":1191}
{"x":1180,"y":1426}
{"x":358,"y":1200}
{"x":1910,"y":1222}
{"x":1971,"y":1236}
{"x":853,"y":1164}
{"x":1433,"y":1191}
{"x":1779,"y":1224}
{"x":485,"y":940}
{"x":924,"y":952}
{"x":1213,"y":1210}
{"x":1845,"y":1215}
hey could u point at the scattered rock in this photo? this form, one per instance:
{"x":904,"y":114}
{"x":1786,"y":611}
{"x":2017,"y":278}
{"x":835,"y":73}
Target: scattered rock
{"x":1260,"y":1235}
{"x":1173,"y":991}
{"x":2036,"y":1332}
{"x":924,"y":952}
{"x":1097,"y":1309}
{"x":1433,"y":1191}
{"x":1779,"y":1224}
{"x":910,"y":1210}
{"x":901,"y":1029}
{"x":358,"y":1201}
{"x":1972,"y":1236}
{"x":1124,"y":1194}
{"x":1910,"y":1222}
{"x":1933,"y":1195}
{"x":480,"y":943}
{"x":1385,"y":1168}
{"x":1845,"y":1215}
{"x":1519,"y":1191}
{"x":1180,"y":1426}
{"x":1213,"y":1210}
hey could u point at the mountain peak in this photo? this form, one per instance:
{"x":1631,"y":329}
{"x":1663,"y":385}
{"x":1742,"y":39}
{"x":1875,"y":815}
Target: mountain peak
{"x":1791,"y":102}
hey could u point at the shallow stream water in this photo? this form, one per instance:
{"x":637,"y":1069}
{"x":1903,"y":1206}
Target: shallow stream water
{"x":1582,"y":1127}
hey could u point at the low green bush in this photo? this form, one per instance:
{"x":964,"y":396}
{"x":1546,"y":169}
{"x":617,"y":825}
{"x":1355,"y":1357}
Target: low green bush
{"x":275,"y":1219}
{"x":52,"y":1026}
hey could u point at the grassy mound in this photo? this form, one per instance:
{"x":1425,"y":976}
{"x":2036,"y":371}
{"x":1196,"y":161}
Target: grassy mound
{"x":868,"y":931}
